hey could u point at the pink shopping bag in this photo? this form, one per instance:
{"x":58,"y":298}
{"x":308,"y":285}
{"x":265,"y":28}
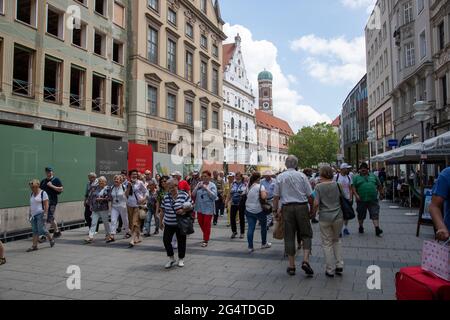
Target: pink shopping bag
{"x":436,"y":259}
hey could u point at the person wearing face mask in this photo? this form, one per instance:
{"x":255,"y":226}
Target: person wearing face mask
{"x":136,"y":194}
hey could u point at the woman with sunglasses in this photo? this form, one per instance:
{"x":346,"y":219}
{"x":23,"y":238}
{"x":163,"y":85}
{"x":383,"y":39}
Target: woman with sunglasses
{"x":39,"y":204}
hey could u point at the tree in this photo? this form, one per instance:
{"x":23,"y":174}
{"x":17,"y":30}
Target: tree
{"x":315,"y":145}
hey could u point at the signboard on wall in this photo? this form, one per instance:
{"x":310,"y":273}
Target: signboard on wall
{"x":140,"y":157}
{"x":111,"y":158}
{"x":164,"y":166}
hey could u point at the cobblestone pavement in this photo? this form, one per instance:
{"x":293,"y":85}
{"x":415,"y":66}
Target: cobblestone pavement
{"x":224,"y":270}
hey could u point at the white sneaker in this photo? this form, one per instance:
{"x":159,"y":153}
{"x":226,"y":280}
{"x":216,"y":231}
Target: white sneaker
{"x":268,"y":245}
{"x":181,"y":263}
{"x":170,"y":264}
{"x":251,"y":250}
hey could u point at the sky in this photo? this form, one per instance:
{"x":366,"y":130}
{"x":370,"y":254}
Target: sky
{"x":314,"y":48}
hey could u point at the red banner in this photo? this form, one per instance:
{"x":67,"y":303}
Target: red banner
{"x":140,"y":157}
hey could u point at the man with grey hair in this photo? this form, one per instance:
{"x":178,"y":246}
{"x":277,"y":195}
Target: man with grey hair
{"x":294,"y":191}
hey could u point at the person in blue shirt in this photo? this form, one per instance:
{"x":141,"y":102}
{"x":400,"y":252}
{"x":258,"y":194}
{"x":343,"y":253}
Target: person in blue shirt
{"x":53,"y":187}
{"x":440,"y":206}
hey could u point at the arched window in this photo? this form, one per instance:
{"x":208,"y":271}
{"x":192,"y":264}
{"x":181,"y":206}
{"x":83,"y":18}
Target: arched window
{"x":240,"y":129}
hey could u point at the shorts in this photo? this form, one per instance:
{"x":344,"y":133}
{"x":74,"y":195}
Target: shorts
{"x":38,"y":225}
{"x":297,"y":222}
{"x":51,"y":213}
{"x":372,"y":206}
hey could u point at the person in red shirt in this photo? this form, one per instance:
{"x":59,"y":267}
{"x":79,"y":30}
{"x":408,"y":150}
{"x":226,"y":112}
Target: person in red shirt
{"x":182,"y":184}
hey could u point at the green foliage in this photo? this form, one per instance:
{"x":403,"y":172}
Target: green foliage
{"x":315,"y":145}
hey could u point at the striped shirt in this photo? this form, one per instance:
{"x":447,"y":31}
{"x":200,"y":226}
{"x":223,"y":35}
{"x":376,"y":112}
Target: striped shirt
{"x":171,"y":206}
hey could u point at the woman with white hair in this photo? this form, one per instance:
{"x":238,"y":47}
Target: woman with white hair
{"x":175,"y":203}
{"x":119,"y":207}
{"x":99,"y":202}
{"x":39,"y":204}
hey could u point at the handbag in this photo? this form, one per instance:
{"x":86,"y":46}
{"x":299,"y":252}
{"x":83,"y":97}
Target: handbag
{"x":436,"y":258}
{"x":346,"y":206}
{"x":185,"y":224}
{"x":266,"y":206}
{"x":278,"y":231}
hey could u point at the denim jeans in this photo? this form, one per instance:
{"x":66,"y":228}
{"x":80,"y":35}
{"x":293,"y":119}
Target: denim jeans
{"x":38,"y":225}
{"x":148,"y":221}
{"x":252,"y":219}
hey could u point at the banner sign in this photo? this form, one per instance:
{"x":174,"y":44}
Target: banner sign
{"x":111,"y":158}
{"x":140,"y":157}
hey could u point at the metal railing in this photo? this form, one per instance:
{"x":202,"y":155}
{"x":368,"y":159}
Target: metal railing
{"x":115,"y":110}
{"x":51,"y":94}
{"x":97,"y":105}
{"x":21,"y":87}
{"x":76,"y":101}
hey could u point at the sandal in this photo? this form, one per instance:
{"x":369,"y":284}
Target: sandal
{"x":291,"y":271}
{"x":2,"y":261}
{"x":110,"y":239}
{"x":32,"y":249}
{"x":204,"y":244}
{"x":88,"y":241}
{"x":307,"y":268}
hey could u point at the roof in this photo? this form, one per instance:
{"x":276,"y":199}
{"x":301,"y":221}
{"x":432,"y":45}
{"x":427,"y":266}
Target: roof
{"x":336,"y":122}
{"x":265,"y":75}
{"x":270,"y":122}
{"x":228,"y":51}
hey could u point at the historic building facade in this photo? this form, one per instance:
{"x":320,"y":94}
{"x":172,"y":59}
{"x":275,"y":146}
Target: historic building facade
{"x":61,"y":77}
{"x":239,"y":124}
{"x":175,"y":72}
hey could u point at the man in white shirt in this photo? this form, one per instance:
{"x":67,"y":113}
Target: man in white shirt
{"x":344,"y":179}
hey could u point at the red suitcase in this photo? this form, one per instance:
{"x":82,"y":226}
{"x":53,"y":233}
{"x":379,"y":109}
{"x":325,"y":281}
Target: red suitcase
{"x":413,"y":283}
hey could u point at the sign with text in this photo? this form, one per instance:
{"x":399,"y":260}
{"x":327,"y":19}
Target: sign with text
{"x":111,"y":158}
{"x":140,"y":157}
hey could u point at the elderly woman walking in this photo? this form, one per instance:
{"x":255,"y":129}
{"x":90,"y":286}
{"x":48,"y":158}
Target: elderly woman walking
{"x":205,"y":194}
{"x":175,"y":203}
{"x":39,"y":204}
{"x":327,"y":204}
{"x":119,"y":207}
{"x":136,"y":194}
{"x":99,"y":203}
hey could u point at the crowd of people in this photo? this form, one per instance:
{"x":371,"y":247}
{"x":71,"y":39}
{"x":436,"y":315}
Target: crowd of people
{"x":135,"y":203}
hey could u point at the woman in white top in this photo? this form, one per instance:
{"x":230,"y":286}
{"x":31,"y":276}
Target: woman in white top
{"x":119,"y":207}
{"x":254,"y":211}
{"x":38,"y":209}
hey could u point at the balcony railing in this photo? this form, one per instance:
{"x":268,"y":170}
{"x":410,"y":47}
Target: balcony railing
{"x":51,"y":94}
{"x":97,"y":105}
{"x":21,"y":87}
{"x":76,"y":101}
{"x":115,"y":110}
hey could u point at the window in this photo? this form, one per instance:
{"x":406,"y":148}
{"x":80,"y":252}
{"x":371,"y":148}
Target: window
{"x":2,"y":8}
{"x":154,"y":4}
{"x":52,"y":80}
{"x":189,"y":30}
{"x":116,"y":98}
{"x":386,"y":60}
{"x":380,"y":127}
{"x":204,"y":75}
{"x":388,"y":122}
{"x":409,"y":55}
{"x":171,"y":107}
{"x":77,"y":78}
{"x":26,"y":11}
{"x":152,"y":45}
{"x":420,"y":6}
{"x":23,"y":71}
{"x":441,"y":35}
{"x":215,"y":120}
{"x":423,"y":45}
{"x":215,"y":50}
{"x":79,"y":36}
{"x":384,"y":31}
{"x":99,"y":43}
{"x":117,"y":52}
{"x":189,"y":65}
{"x":189,"y":113}
{"x":152,"y":100}
{"x":408,"y":12}
{"x":203,"y":6}
{"x":444,"y":90}
{"x":215,"y":81}
{"x":55,"y":22}
{"x":204,"y":118}
{"x":100,"y":7}
{"x":98,"y":93}
{"x":172,"y":56}
{"x":172,"y":17}
{"x":204,"y":42}
{"x":119,"y":15}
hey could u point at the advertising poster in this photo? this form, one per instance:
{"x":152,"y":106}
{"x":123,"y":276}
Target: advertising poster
{"x":111,"y":158}
{"x":164,"y":166}
{"x":140,"y":157}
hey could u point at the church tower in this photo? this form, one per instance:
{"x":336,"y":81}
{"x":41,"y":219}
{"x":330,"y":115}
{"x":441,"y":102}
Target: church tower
{"x":265,"y":80}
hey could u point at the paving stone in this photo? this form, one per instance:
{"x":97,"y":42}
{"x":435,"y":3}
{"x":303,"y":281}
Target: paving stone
{"x":223,"y":291}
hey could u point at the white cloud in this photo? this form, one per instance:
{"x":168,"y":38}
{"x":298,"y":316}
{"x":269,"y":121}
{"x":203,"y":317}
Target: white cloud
{"x":357,"y":4}
{"x":263,"y":54}
{"x":333,"y":61}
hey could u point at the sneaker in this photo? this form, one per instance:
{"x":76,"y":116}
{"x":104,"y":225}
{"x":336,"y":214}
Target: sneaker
{"x":57,"y":235}
{"x":339,"y":271}
{"x":361,"y":230}
{"x":234,"y":235}
{"x":346,"y":232}
{"x":268,"y":245}
{"x":181,"y":263}
{"x":170,"y":264}
{"x":251,"y":250}
{"x":378,"y":231}
{"x":307,"y":268}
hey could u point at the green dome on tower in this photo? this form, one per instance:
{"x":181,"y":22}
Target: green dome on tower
{"x":265,"y":76}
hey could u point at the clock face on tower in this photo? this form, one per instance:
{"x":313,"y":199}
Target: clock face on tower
{"x":266,"y":105}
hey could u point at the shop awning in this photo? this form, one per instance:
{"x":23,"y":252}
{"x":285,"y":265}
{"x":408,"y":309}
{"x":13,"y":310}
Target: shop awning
{"x":442,"y":141}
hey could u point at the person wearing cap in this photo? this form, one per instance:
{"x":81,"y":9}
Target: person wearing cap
{"x":53,"y":187}
{"x":269,"y":185}
{"x":220,"y":207}
{"x":366,"y":188}
{"x":344,"y":179}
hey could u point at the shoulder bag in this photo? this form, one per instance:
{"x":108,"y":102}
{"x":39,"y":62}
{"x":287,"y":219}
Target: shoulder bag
{"x":346,"y":206}
{"x":265,"y":205}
